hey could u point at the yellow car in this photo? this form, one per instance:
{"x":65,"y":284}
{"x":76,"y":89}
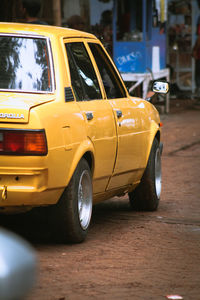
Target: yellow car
{"x":70,"y":134}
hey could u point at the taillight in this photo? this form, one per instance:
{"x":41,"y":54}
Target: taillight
{"x":23,"y":142}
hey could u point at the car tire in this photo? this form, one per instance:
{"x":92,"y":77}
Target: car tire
{"x":73,"y":211}
{"x":146,"y":196}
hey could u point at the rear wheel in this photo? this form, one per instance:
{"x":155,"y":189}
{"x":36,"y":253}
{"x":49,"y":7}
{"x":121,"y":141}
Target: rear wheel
{"x":74,"y":209}
{"x":147,"y":194}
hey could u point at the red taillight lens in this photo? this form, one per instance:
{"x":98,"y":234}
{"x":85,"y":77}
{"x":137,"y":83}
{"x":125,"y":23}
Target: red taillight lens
{"x":23,"y":142}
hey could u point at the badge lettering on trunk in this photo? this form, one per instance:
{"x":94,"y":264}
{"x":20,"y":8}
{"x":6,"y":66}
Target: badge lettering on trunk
{"x":11,"y":116}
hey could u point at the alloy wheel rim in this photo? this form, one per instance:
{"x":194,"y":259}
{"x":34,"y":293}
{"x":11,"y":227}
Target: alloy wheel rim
{"x":158,"y":173}
{"x":85,"y":199}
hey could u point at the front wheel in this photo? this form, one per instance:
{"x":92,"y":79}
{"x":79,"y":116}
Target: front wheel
{"x":146,"y":196}
{"x":73,"y":211}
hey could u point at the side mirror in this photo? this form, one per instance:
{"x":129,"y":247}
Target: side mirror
{"x":160,"y":87}
{"x":17,"y":266}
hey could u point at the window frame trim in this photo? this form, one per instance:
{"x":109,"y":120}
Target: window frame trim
{"x":74,"y":62}
{"x":91,"y":57}
{"x":113,"y":65}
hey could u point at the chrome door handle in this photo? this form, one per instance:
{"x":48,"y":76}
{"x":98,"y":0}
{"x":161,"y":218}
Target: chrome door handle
{"x":119,"y":113}
{"x":89,"y":116}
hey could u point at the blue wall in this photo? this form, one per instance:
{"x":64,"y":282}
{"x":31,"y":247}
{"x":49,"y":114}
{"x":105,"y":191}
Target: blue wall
{"x":136,"y":56}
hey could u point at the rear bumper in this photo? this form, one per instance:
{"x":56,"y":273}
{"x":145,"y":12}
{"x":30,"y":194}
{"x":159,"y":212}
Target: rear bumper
{"x":26,"y":187}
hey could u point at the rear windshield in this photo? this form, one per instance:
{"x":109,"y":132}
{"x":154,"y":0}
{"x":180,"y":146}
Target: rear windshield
{"x":24,"y":64}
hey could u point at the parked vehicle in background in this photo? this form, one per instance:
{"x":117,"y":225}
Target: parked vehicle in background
{"x":70,"y":133}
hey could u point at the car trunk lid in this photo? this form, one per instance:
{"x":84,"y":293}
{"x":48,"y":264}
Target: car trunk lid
{"x":15,"y":108}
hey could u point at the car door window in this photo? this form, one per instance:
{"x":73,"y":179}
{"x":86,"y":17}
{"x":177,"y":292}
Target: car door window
{"x":113,"y":87}
{"x":83,"y":78}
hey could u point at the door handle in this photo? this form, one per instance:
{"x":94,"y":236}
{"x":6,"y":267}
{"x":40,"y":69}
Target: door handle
{"x":119,"y":113}
{"x":89,"y":116}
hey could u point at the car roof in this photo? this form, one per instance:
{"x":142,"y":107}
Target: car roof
{"x":42,"y":30}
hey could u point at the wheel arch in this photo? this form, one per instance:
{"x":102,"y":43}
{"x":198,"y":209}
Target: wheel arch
{"x":155,"y":133}
{"x":157,"y":136}
{"x":89,"y":157}
{"x":86,"y":151}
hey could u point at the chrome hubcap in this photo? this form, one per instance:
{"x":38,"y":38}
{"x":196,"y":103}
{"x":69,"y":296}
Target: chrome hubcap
{"x":158,"y":175}
{"x":85,"y":199}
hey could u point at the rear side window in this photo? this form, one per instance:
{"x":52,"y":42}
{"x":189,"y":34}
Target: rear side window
{"x":83,"y":76}
{"x":112,"y":84}
{"x":24,"y":64}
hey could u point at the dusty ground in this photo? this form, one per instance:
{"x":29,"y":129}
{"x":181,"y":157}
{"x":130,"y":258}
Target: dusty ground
{"x":131,"y":255}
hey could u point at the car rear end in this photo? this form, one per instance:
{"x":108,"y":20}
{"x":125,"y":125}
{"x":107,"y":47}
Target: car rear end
{"x":26,"y":83}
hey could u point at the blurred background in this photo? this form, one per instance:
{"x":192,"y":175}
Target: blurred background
{"x":148,"y":39}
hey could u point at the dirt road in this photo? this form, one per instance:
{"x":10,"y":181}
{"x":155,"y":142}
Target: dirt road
{"x":135,"y":255}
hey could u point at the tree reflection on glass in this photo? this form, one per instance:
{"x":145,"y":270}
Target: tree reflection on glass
{"x":24,"y":64}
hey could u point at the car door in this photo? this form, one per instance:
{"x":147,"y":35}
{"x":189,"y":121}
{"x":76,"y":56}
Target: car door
{"x":127,"y":113}
{"x":98,"y":114}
